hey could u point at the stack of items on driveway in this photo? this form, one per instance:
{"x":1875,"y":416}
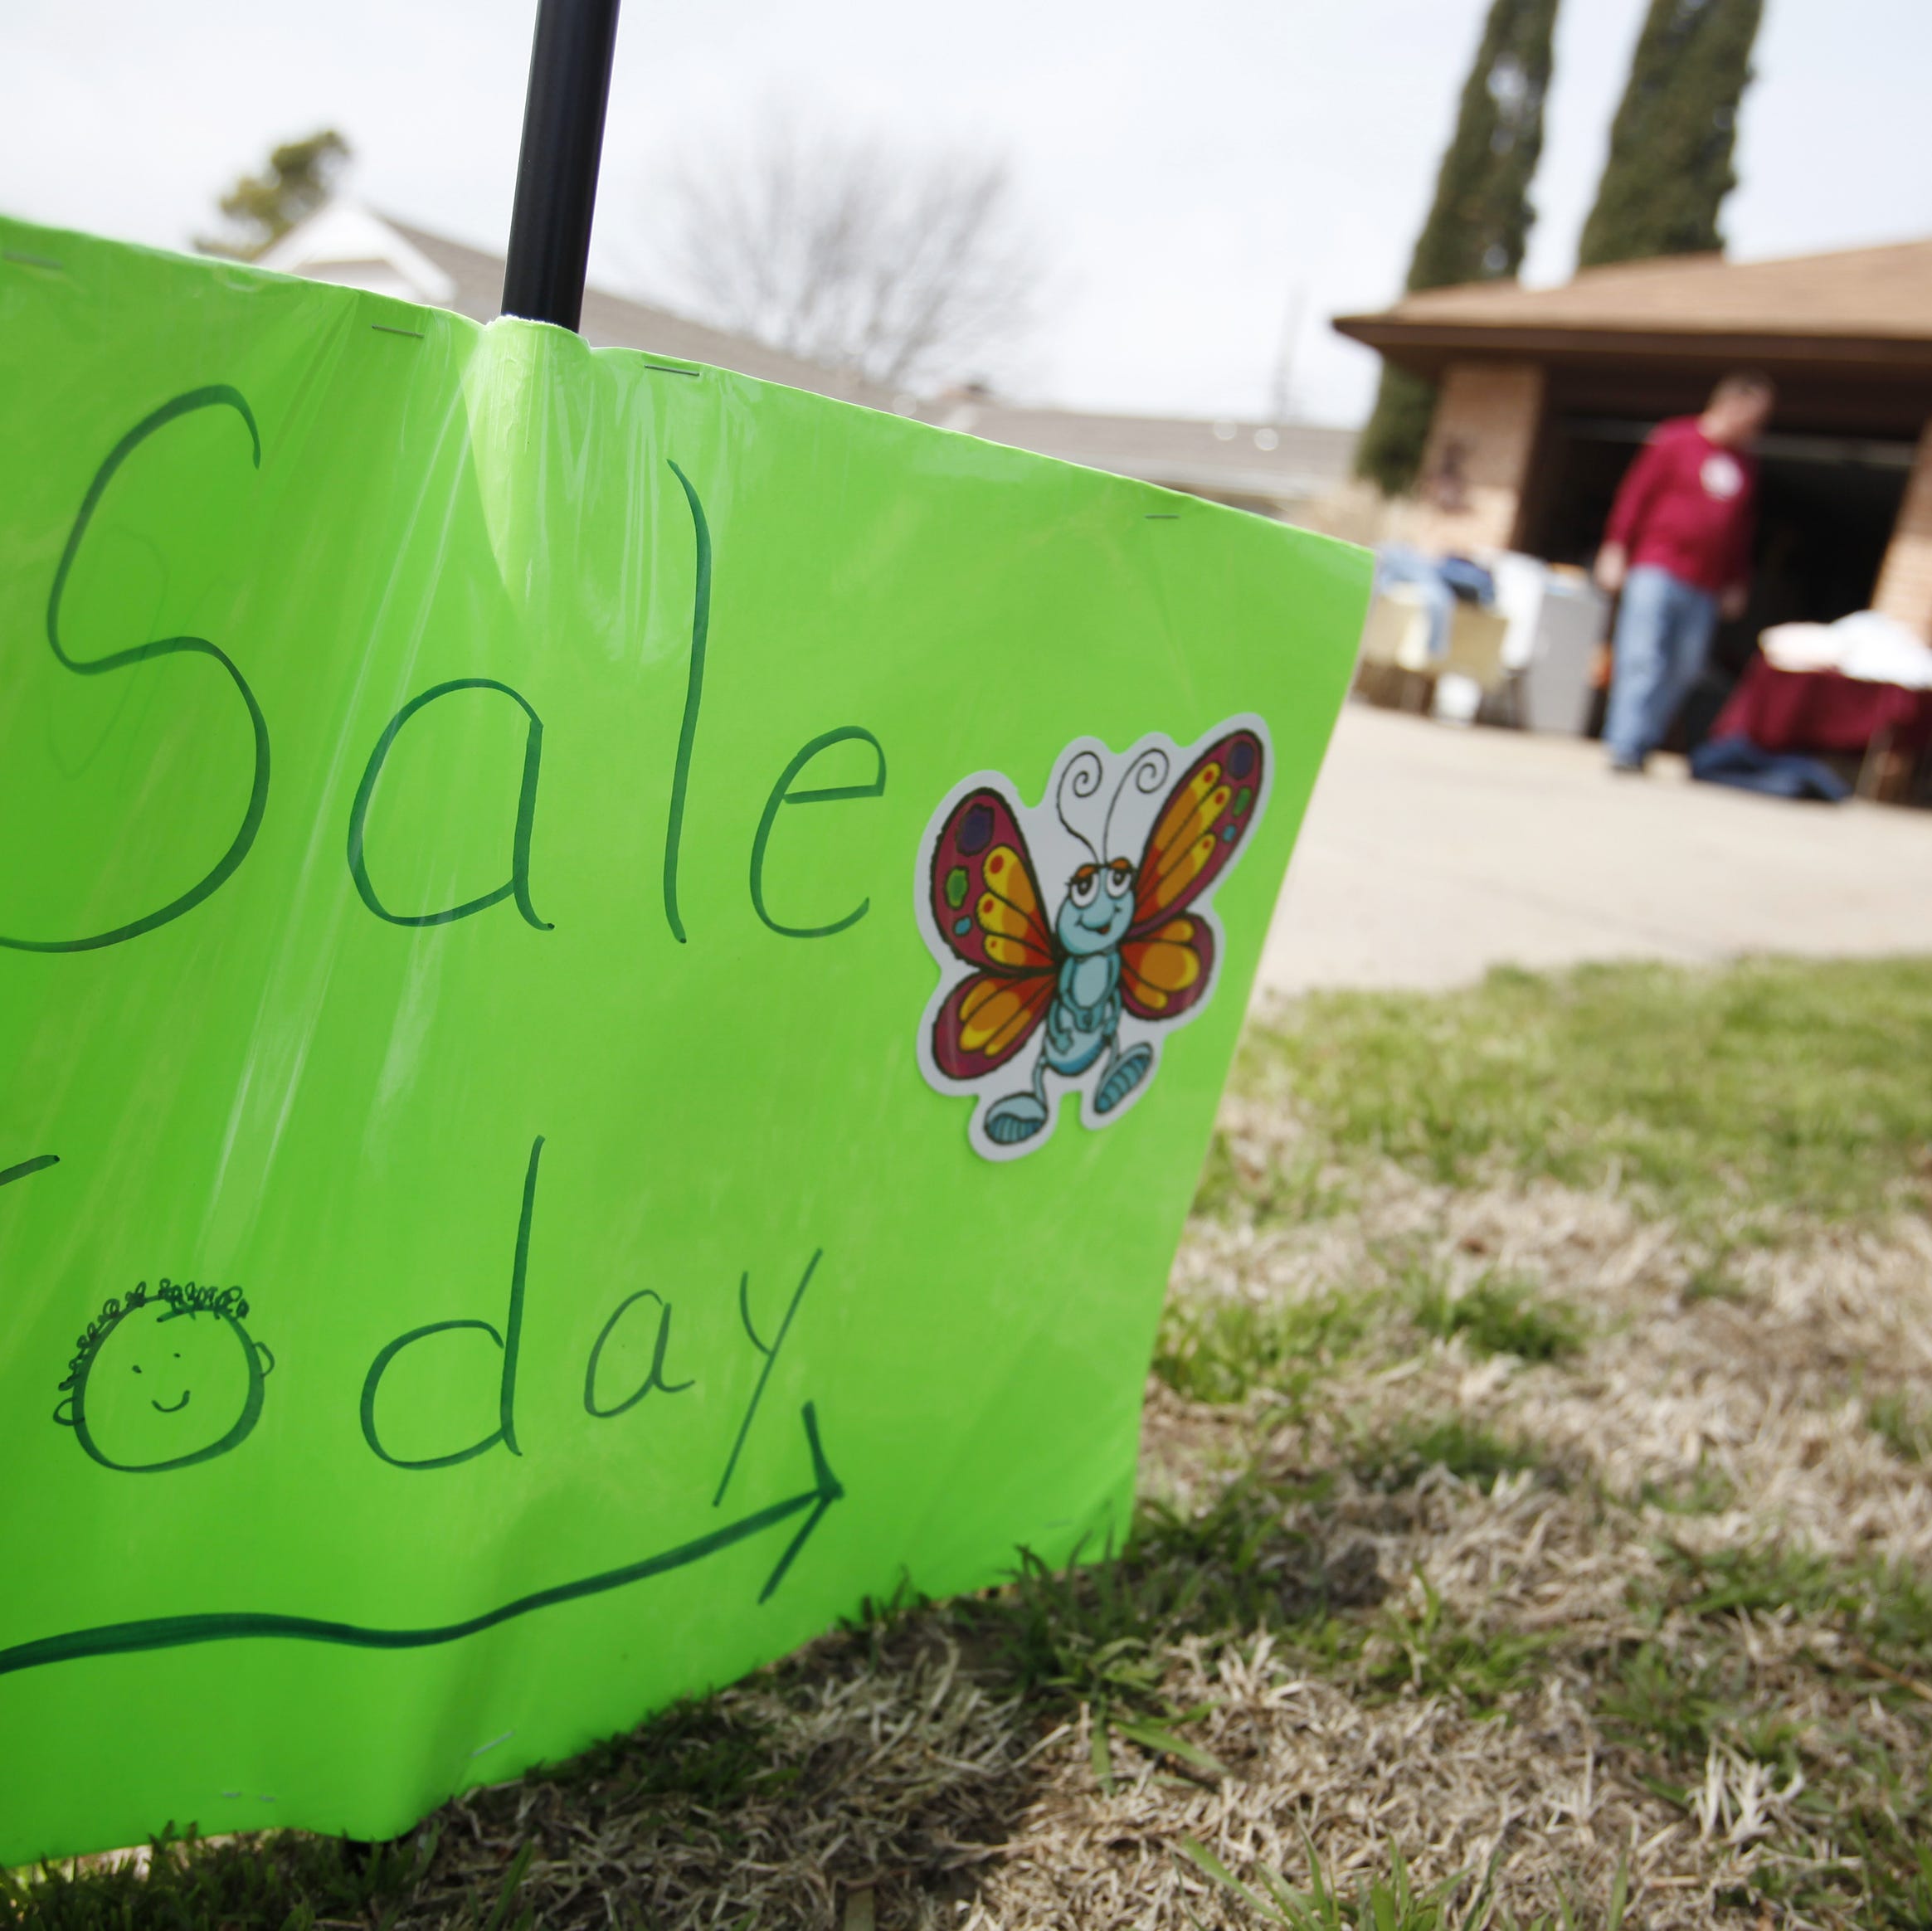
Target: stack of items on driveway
{"x":1506,"y":638}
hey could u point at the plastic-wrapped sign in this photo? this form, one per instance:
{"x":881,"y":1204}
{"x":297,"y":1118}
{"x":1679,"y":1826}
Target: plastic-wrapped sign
{"x":612,"y":983}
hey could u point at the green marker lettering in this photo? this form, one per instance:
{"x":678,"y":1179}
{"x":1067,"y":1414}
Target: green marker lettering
{"x":518,"y":885}
{"x":654,"y":1378}
{"x":783,"y":794}
{"x":693,"y":697}
{"x":218,"y":396}
{"x":511,"y":1341}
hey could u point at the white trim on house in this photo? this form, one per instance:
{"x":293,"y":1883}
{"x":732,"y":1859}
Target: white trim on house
{"x":344,"y":242}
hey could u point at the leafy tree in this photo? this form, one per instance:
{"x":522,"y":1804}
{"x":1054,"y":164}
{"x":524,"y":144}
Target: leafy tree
{"x":1669,"y":163}
{"x":300,"y":177}
{"x":1480,"y":222}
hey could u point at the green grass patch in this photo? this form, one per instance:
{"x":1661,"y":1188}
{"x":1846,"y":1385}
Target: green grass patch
{"x":1902,"y":1424}
{"x":1298,"y":1192}
{"x":691,"y":1751}
{"x":1705,"y":1491}
{"x":1678,"y":1702}
{"x":1770,"y":1085}
{"x":1094,"y":1633}
{"x":1375,"y":1904}
{"x":1390,"y":1903}
{"x":1672,"y":1704}
{"x":1420,"y":1647}
{"x":1657,"y":1696}
{"x":1217,"y":1348}
{"x":1885,"y":1607}
{"x":1498,"y":1315}
{"x":286,"y":1879}
{"x":1403,"y":1454}
{"x":1760,"y":1580}
{"x":1712,"y":1280}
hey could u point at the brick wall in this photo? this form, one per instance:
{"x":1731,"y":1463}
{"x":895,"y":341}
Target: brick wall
{"x":1477,"y":460}
{"x":1905,"y":582}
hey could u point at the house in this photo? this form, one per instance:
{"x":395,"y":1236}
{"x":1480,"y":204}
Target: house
{"x":1275,"y":470}
{"x":345,"y":243}
{"x":1546,"y":395}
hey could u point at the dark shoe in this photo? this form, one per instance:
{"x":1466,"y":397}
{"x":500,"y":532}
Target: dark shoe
{"x":1627,"y":767}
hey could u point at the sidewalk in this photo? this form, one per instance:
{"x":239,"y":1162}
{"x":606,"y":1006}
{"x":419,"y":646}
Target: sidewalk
{"x":1431,"y":853}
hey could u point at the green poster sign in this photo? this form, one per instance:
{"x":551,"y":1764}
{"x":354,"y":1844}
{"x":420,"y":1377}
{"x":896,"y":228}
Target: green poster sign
{"x":612,"y":984}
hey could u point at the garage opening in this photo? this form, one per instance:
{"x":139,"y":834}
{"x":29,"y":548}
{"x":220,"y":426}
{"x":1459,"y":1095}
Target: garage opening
{"x":1827,"y":506}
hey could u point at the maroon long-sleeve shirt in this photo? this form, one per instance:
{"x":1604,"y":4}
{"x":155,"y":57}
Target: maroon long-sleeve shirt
{"x":1685,"y":505}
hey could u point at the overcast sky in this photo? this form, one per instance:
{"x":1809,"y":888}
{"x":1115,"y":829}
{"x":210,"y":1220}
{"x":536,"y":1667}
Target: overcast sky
{"x":1191,"y":170}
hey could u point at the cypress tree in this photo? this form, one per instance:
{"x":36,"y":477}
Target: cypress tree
{"x":1479,"y":223}
{"x":1670,"y":161}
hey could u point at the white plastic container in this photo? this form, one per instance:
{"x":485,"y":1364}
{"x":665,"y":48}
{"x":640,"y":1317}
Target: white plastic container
{"x":1555,"y":622}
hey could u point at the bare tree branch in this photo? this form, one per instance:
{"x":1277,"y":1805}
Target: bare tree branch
{"x":853,"y":254}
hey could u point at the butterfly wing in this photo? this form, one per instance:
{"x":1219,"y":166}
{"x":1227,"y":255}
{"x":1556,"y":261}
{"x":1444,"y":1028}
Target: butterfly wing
{"x":985,"y":897}
{"x":986,"y":1019}
{"x":1167,"y":970}
{"x":986,"y":901}
{"x":1168,"y":958}
{"x":1199,"y":828}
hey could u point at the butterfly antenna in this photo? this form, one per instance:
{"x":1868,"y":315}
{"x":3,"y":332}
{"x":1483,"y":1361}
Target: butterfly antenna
{"x":1146,"y":774}
{"x":1082,"y":777}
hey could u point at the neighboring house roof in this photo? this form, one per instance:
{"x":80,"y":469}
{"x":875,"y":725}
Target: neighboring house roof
{"x":344,"y":243}
{"x":1257,"y":465}
{"x":354,"y":245}
{"x":1867,"y":306}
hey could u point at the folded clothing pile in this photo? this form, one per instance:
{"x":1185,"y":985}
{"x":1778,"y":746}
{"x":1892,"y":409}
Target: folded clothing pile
{"x":1868,"y":645}
{"x":1440,"y":584}
{"x":1735,"y":761}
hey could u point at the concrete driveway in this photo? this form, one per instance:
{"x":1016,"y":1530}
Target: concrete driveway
{"x":1431,"y":853}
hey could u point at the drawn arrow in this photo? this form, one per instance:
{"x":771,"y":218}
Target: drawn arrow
{"x":155,"y":1632}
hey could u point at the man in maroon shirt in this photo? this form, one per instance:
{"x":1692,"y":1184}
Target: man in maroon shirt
{"x":1678,"y":546}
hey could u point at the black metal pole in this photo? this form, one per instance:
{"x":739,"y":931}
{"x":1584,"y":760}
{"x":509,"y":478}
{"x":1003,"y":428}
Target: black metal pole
{"x":556,"y":172}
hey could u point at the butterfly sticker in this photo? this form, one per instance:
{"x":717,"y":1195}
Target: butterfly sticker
{"x":1072,"y":934}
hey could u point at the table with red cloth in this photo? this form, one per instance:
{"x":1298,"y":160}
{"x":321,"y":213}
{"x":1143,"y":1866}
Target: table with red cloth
{"x":1823,"y":710}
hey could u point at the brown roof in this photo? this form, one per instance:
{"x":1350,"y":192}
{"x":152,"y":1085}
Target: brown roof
{"x":1866,"y":305}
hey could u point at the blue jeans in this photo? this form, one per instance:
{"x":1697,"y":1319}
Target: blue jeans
{"x":1664,"y":628}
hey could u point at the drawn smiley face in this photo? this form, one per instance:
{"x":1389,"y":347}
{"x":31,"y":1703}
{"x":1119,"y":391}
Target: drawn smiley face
{"x":167,"y":1382}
